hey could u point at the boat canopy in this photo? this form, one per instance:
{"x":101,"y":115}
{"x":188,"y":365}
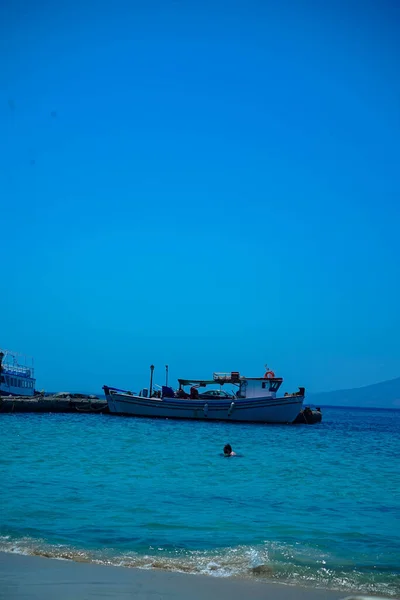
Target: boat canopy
{"x":199,"y":382}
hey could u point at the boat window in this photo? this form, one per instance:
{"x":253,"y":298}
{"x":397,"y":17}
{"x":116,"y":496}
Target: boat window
{"x":273,"y":386}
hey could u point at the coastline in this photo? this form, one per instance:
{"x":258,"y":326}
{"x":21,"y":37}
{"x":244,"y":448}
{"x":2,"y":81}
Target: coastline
{"x":33,"y":577}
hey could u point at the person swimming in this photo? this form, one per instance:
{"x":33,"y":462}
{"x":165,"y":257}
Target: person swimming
{"x":228,"y":450}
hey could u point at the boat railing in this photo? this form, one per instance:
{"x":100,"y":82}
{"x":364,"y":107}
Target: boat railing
{"x":107,"y":388}
{"x":17,"y":370}
{"x":14,"y":363}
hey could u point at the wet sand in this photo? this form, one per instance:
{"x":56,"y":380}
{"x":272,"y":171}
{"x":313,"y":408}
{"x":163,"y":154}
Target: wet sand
{"x":34,"y":578}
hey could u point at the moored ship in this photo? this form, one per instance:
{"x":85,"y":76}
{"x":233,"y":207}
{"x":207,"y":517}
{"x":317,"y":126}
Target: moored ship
{"x":16,"y":377}
{"x":250,"y":399}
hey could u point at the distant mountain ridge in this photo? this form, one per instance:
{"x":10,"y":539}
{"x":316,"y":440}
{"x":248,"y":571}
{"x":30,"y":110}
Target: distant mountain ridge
{"x":385,"y":394}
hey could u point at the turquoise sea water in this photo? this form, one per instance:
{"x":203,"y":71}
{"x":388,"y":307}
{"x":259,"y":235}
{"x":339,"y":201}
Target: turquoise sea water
{"x":316,"y":505}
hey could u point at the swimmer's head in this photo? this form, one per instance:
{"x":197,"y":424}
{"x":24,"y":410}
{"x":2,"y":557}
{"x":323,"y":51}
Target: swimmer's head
{"x":227,"y":449}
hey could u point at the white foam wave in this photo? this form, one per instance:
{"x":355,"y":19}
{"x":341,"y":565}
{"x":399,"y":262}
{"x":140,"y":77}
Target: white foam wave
{"x":269,"y":562}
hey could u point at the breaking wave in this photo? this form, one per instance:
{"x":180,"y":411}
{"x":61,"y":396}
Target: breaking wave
{"x":271,"y":562}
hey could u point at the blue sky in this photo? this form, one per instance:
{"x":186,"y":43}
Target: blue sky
{"x":211,"y":186}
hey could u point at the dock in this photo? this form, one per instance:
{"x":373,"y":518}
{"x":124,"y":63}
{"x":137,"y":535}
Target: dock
{"x":57,"y":403}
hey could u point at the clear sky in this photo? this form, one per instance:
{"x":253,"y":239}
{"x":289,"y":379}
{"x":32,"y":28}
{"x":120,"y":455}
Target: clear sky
{"x":209,"y":185}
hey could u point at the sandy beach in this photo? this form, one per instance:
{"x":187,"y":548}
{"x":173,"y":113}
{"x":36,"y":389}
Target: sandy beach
{"x":33,"y":578}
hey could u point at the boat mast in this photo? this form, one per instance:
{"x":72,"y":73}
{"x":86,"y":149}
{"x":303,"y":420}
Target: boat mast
{"x":166,"y":375}
{"x":151,"y":380}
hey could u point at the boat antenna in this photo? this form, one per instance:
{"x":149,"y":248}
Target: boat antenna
{"x":151,"y":380}
{"x":166,"y":375}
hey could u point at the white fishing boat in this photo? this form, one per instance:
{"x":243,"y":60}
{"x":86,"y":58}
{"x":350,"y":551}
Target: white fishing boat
{"x":17,"y":377}
{"x":249,"y":399}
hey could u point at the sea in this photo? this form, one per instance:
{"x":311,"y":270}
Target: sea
{"x":305,"y":505}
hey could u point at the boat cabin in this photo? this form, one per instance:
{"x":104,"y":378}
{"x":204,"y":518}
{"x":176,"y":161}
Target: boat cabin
{"x":258,"y":387}
{"x":15,"y":379}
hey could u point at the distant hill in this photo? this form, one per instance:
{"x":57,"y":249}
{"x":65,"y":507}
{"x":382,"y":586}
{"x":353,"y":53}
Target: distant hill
{"x":379,"y":395}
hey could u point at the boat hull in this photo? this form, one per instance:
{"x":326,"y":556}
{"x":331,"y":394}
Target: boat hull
{"x":14,"y":390}
{"x":254,"y":410}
